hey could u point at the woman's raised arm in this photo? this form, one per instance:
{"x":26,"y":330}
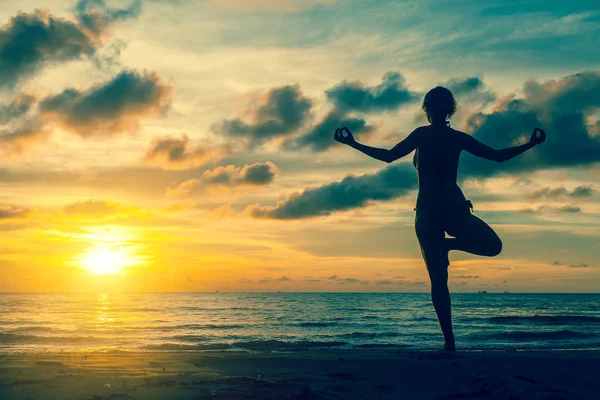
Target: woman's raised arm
{"x":400,"y":150}
{"x":479,"y":149}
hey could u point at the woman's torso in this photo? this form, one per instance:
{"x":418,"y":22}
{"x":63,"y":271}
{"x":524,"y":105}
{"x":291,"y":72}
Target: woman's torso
{"x":436,"y":159}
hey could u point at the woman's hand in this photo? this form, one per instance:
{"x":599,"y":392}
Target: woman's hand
{"x":347,"y":139}
{"x":535,"y":139}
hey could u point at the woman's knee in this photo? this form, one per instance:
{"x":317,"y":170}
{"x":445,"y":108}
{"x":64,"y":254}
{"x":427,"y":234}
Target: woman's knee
{"x":494,"y":247}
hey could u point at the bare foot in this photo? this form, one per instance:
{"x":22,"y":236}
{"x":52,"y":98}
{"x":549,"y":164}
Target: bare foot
{"x":447,"y":347}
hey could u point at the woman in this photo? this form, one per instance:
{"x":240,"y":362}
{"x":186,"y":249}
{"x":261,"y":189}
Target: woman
{"x":441,"y":205}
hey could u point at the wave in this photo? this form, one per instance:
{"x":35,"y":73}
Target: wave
{"x":369,"y":334}
{"x":314,"y":324}
{"x":280,"y":345}
{"x":545,"y":320}
{"x":380,"y":346}
{"x":201,"y":326}
{"x":12,"y":338}
{"x":177,"y":346}
{"x":535,"y":335}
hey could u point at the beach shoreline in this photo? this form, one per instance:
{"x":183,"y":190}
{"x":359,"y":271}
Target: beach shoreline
{"x":310,"y":374}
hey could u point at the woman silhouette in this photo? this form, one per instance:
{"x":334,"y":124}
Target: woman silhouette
{"x":441,"y":206}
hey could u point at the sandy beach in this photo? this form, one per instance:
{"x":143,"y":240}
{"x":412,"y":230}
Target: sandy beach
{"x":364,"y":374}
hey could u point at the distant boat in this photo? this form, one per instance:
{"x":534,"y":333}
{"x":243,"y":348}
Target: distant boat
{"x":482,"y":291}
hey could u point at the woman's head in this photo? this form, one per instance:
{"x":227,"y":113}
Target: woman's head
{"x":439,"y":104}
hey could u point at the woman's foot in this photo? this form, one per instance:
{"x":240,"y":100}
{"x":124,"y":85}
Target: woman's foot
{"x":447,"y":347}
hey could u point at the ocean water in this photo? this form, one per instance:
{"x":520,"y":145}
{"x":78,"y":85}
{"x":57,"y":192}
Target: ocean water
{"x":291,"y":321}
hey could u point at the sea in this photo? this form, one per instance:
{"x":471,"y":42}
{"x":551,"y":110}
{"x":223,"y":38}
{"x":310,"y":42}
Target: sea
{"x":291,"y":322}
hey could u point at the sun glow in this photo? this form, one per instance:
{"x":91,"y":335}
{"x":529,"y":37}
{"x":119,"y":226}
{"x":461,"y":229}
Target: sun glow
{"x":102,"y":261}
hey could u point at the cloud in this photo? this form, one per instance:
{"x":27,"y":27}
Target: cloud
{"x":10,"y":211}
{"x":175,"y":153}
{"x":350,"y":281}
{"x":385,"y":282}
{"x":30,"y":41}
{"x":470,"y":90}
{"x":554,"y":193}
{"x":100,"y":209}
{"x":269,"y":5}
{"x":257,"y":174}
{"x":271,"y":280}
{"x":320,"y":136}
{"x":551,"y":209}
{"x":97,"y":16}
{"x":582,"y":191}
{"x":351,"y":192}
{"x":111,"y":107}
{"x":283,"y":112}
{"x":465,"y":277}
{"x":389,"y":95}
{"x":558,"y":263}
{"x":560,"y":107}
{"x":580,"y":265}
{"x":19,"y":137}
{"x":16,"y":108}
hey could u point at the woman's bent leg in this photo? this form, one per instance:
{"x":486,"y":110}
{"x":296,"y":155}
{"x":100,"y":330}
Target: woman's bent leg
{"x":474,"y":236}
{"x":431,"y":238}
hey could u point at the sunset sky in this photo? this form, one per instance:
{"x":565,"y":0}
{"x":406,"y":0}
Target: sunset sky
{"x":179,"y":145}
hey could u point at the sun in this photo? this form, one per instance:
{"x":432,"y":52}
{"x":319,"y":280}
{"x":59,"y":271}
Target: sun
{"x":105,"y":261}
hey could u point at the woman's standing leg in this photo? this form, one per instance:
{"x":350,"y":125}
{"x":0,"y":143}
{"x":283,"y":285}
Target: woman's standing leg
{"x":430,"y":233}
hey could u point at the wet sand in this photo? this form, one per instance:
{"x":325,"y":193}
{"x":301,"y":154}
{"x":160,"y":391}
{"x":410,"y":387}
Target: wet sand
{"x":364,"y":374}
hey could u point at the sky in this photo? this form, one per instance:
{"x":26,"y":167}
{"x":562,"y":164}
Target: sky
{"x":179,"y":145}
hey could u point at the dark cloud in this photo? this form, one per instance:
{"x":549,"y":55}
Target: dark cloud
{"x":320,"y":136}
{"x":389,"y":95}
{"x":283,"y":112}
{"x":257,"y":174}
{"x":351,"y":192}
{"x":580,"y":265}
{"x":465,"y":277}
{"x":554,"y":193}
{"x":582,"y":191}
{"x":350,"y":281}
{"x":176,"y":153}
{"x":16,"y":108}
{"x":111,"y":107}
{"x":470,"y":90}
{"x":10,"y":211}
{"x":31,"y":41}
{"x":17,"y":138}
{"x":558,"y":263}
{"x":385,"y":282}
{"x":560,"y":107}
{"x":551,"y":209}
{"x":271,"y":280}
{"x":332,"y":277}
{"x":97,"y":16}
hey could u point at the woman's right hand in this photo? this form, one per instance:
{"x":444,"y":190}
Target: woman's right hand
{"x":339,"y":136}
{"x":535,"y":139}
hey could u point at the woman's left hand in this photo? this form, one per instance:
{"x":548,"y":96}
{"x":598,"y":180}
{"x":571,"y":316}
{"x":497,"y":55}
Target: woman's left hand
{"x":535,"y":139}
{"x":347,"y":139}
